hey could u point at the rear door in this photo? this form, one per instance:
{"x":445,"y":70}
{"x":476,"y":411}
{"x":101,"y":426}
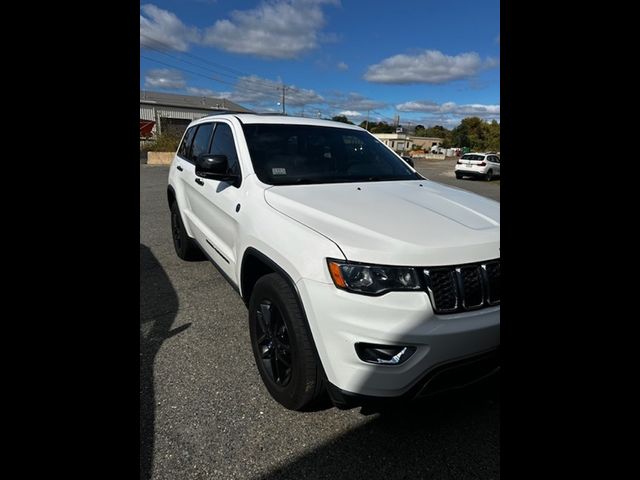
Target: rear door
{"x":182,"y":164}
{"x":216,"y":204}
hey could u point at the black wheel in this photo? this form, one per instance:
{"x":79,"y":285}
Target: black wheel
{"x":281,"y":344}
{"x":185,"y":246}
{"x":458,"y":176}
{"x":489,"y":175}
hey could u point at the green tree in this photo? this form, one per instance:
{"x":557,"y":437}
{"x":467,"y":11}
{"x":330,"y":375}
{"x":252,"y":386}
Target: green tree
{"x":477,"y":134}
{"x":341,"y":118}
{"x":493,"y":136}
{"x":381,"y":127}
{"x":438,"y":131}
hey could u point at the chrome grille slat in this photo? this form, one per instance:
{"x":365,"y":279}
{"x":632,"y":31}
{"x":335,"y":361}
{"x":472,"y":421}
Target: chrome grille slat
{"x":460,"y":288}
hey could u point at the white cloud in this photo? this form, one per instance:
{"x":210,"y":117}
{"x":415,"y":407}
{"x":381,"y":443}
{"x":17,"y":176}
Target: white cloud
{"x":162,"y":29}
{"x":203,"y":92}
{"x":354,"y":101}
{"x":342,"y":66}
{"x":448,"y":114}
{"x":265,"y":93}
{"x":430,"y":66}
{"x":164,"y":78}
{"x":427,"y":106}
{"x":281,"y":29}
{"x":443,"y":121}
{"x":351,"y":113}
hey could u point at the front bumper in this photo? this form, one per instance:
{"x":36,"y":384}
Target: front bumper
{"x":339,"y":319}
{"x":441,"y":378}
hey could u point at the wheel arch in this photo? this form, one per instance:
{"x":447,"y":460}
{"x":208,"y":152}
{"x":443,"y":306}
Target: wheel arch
{"x":253,"y":257}
{"x":256,"y":264}
{"x":171,"y":195}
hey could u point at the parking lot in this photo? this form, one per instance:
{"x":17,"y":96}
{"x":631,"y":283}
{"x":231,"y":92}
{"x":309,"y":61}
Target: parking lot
{"x":204,"y":412}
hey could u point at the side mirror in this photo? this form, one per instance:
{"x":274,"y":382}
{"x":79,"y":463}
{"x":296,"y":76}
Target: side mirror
{"x":409,"y":160}
{"x":215,"y":167}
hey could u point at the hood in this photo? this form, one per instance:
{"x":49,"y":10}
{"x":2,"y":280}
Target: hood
{"x":414,"y":222}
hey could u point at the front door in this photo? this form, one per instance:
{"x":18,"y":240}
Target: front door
{"x":214,"y":205}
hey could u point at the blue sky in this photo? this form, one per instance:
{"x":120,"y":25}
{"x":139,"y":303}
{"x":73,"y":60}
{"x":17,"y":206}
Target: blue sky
{"x":431,"y":62}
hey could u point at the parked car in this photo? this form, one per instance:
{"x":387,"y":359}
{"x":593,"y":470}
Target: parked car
{"x":409,"y":160}
{"x":362,"y":279}
{"x":482,"y":165}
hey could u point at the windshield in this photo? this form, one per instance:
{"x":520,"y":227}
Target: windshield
{"x":472,"y":157}
{"x":304,"y":154}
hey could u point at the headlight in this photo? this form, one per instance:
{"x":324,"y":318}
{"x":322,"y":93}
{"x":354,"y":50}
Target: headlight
{"x":372,"y":279}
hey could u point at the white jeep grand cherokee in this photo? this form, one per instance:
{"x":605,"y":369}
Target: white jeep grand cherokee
{"x":362,"y":278}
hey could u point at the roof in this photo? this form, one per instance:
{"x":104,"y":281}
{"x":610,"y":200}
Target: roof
{"x":189,"y":101}
{"x":249,"y":118}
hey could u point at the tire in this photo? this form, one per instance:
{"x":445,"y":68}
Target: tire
{"x":279,"y":336}
{"x":489,"y":175}
{"x":458,"y":176}
{"x":186,"y":247}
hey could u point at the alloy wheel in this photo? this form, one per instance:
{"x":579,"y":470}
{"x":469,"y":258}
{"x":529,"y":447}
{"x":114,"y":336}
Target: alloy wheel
{"x":272,"y":337}
{"x":175,"y":230}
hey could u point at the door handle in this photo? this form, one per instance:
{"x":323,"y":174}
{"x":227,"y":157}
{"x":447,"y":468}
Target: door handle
{"x":179,"y":168}
{"x":199,"y":182}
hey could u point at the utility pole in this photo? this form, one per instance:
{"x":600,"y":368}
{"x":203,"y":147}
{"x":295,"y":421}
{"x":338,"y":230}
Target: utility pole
{"x":367,"y":124}
{"x":283,"y":109}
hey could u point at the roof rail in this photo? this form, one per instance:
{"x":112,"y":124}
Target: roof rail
{"x":224,"y":112}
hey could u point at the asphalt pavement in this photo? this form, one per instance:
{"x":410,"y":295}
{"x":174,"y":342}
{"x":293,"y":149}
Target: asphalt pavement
{"x":205,"y":414}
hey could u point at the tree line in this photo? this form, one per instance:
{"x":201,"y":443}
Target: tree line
{"x":473,"y":132}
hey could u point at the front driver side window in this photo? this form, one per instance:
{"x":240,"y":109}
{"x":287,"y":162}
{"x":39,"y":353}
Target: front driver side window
{"x":201,"y":140}
{"x":223,"y":144}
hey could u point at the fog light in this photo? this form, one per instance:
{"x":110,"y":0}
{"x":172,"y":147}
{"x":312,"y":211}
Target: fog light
{"x":384,"y":354}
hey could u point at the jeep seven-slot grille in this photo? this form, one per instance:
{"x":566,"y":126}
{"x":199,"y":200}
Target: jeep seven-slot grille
{"x":465,"y":287}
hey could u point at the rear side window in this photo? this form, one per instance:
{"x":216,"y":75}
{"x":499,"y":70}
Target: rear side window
{"x":185,"y":146}
{"x":223,"y":144}
{"x":201,"y":141}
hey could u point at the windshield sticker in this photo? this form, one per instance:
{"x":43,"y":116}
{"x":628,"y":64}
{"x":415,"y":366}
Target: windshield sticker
{"x":278,"y":171}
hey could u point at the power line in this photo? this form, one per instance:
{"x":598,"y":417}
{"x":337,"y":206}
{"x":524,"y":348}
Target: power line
{"x":246,"y":77}
{"x":383,"y":116}
{"x":218,"y":65}
{"x":167,"y":46}
{"x":238,"y":74}
{"x":241,"y":89}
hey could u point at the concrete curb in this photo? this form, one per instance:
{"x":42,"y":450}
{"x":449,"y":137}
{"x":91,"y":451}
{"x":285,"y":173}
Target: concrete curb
{"x":159,"y":158}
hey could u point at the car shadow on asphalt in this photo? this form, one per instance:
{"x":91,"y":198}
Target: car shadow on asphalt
{"x":452,"y":435}
{"x":158,"y":309}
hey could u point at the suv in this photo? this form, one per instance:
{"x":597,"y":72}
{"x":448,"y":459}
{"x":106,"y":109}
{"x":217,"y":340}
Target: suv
{"x":483,"y":165}
{"x":362,"y":278}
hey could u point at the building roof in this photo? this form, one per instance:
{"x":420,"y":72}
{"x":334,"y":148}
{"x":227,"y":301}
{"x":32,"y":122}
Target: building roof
{"x":189,"y":101}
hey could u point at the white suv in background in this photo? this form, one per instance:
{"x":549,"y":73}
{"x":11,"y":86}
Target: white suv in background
{"x":483,"y":165}
{"x":362,"y":278}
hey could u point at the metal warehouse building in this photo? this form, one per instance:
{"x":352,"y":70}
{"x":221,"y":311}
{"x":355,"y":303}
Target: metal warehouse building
{"x":173,"y":112}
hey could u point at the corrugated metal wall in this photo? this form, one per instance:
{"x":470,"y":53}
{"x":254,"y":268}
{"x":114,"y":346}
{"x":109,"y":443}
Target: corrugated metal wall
{"x":148,"y":112}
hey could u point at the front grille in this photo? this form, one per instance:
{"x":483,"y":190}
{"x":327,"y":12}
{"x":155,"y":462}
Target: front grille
{"x":465,"y":287}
